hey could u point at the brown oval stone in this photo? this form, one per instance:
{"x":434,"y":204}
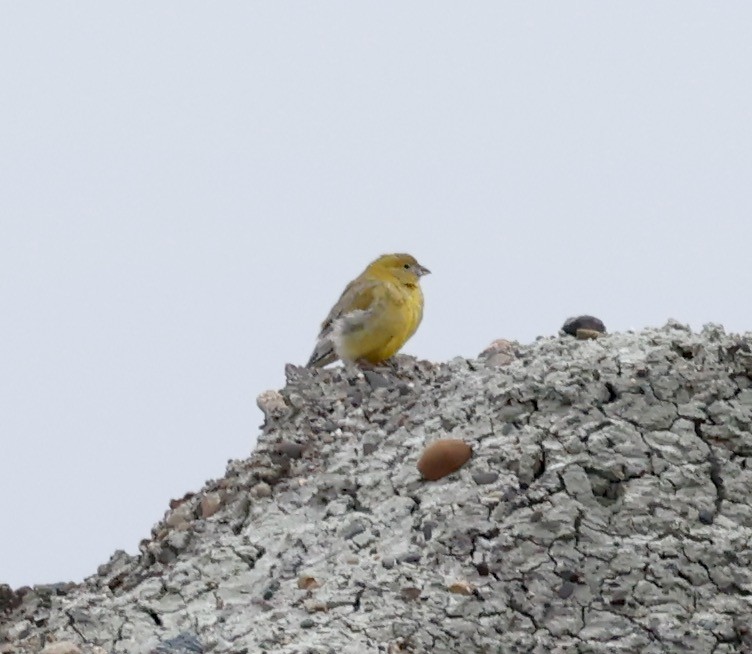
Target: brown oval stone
{"x":461,"y":587}
{"x":443,"y":457}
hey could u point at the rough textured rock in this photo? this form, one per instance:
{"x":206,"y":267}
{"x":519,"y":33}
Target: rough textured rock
{"x":606,"y":508}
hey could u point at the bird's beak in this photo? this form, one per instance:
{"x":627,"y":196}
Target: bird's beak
{"x":422,"y":270}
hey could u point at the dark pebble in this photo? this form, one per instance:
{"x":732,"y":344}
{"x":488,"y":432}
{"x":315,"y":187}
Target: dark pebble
{"x":387,"y":562}
{"x":410,"y":593}
{"x":404,"y":389}
{"x":353,"y":529}
{"x":355,"y":397}
{"x":483,"y":478}
{"x":272,"y":588}
{"x":571,"y":575}
{"x":290,"y":449}
{"x":167,"y":555}
{"x":619,"y":599}
{"x":572,"y":325}
{"x":567,"y":588}
{"x":411,"y":557}
{"x":375,"y":379}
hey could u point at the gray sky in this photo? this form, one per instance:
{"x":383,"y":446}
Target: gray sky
{"x":187,"y":187}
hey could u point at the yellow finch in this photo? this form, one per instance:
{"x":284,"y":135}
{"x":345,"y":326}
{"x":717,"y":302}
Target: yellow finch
{"x":376,"y":314}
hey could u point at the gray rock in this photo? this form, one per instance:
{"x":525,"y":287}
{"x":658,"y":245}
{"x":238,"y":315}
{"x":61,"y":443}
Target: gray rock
{"x":483,"y":477}
{"x":184,"y":643}
{"x":605,"y":509}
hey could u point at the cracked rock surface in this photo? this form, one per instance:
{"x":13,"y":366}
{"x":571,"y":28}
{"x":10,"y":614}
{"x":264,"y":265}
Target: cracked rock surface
{"x":605,"y":508}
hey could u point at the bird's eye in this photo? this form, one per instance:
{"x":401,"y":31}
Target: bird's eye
{"x":406,"y":266}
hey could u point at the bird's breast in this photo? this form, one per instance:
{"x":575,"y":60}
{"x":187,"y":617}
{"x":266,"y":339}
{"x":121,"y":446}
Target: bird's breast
{"x":405,"y":311}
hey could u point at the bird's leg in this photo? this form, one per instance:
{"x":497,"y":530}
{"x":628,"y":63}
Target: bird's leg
{"x":390,"y":365}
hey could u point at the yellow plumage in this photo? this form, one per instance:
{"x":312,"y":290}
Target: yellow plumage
{"x":375,"y":315}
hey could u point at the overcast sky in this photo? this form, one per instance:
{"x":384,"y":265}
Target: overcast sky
{"x":185,"y":189}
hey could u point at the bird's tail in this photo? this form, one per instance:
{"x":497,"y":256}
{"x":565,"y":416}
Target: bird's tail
{"x":323,"y":354}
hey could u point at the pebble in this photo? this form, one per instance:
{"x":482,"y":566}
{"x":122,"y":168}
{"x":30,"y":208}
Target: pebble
{"x":443,"y":457}
{"x":262,"y":489}
{"x":210,"y":504}
{"x":589,"y":326}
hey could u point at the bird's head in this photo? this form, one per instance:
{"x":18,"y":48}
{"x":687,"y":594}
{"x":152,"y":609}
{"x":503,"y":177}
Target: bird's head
{"x":402,"y":266}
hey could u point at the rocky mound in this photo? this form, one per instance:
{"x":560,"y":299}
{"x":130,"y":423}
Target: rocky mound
{"x":605,"y":508}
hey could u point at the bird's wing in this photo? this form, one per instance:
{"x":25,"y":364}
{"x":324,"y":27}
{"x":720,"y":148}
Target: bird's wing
{"x":356,"y":300}
{"x":359,"y":295}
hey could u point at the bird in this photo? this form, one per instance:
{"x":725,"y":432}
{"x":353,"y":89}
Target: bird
{"x":375,"y":315}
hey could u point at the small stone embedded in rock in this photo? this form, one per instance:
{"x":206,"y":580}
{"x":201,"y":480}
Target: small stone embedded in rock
{"x":369,"y":448}
{"x":485,"y":477}
{"x":461,"y":588}
{"x":410,"y":557}
{"x":483,"y":569}
{"x":306,"y":582}
{"x":166,"y":555}
{"x":566,"y":589}
{"x":175,"y":503}
{"x":19,"y":630}
{"x":375,"y":379}
{"x":290,"y":449}
{"x":180,"y":516}
{"x":586,"y":324}
{"x":571,"y":575}
{"x":388,"y":562}
{"x":499,"y":353}
{"x":272,"y":588}
{"x":410,"y":593}
{"x":178,"y":539}
{"x":63,"y":647}
{"x":443,"y":457}
{"x":355,"y":396}
{"x":262,"y":489}
{"x":315,"y":606}
{"x":618,"y":598}
{"x":353,"y":529}
{"x":272,"y":405}
{"x":210,"y":504}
